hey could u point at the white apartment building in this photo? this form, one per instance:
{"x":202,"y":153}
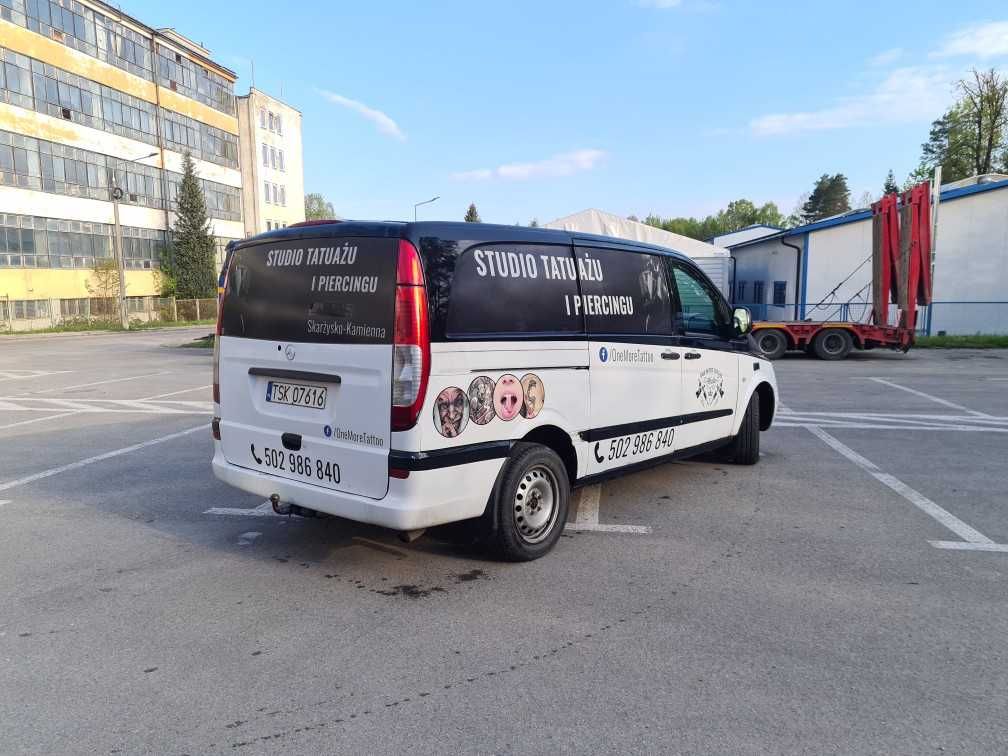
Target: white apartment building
{"x":271,"y":162}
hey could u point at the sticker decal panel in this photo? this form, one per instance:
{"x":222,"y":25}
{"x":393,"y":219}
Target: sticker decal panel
{"x":451,"y":412}
{"x":710,"y":387}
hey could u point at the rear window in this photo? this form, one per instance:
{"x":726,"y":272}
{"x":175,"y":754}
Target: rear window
{"x":327,"y":291}
{"x":515,"y":290}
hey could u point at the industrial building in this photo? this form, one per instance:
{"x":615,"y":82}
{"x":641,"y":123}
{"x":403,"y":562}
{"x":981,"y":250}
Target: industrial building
{"x":92,"y":100}
{"x":822,"y":270}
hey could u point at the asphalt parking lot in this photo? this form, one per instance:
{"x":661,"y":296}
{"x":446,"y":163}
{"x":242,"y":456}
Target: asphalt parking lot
{"x":847,"y":594}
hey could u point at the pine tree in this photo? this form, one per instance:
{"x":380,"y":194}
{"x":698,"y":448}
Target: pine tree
{"x":831,"y":196}
{"x":534,"y":223}
{"x":192,"y":265}
{"x":472,"y":216}
{"x":890,"y":186}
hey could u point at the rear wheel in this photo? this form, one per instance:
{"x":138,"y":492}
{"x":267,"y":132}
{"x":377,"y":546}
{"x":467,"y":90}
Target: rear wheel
{"x":832,"y":344}
{"x":530,"y":502}
{"x":744,"y":447}
{"x":771,"y":342}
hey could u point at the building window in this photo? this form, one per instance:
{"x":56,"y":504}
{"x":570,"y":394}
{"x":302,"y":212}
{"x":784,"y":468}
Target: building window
{"x":262,"y":118}
{"x":758,"y":295}
{"x":273,"y":158}
{"x":740,"y":292}
{"x":272,"y":122}
{"x":283,"y":195}
{"x":265,"y":156}
{"x":780,"y":293}
{"x":279,"y":125}
{"x":269,"y":226}
{"x":280,"y":160}
{"x":266,"y":187}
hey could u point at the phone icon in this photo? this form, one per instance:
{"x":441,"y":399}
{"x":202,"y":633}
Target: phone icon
{"x":254,"y":456}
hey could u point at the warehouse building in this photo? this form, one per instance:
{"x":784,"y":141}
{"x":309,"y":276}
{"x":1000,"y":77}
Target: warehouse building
{"x":92,"y":100}
{"x":823,"y":271}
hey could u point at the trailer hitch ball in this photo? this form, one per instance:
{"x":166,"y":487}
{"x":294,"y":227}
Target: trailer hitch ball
{"x":280,"y":509}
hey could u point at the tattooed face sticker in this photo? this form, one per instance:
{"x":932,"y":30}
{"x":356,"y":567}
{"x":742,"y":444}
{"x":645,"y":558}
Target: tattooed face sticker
{"x":535,"y":395}
{"x":508,"y":397}
{"x":481,"y":404}
{"x":451,"y":412}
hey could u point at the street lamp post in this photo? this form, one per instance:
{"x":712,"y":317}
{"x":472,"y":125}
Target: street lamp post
{"x":425,"y":202}
{"x":117,"y":195}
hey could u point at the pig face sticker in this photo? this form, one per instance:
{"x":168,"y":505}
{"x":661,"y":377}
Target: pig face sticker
{"x":508,"y":397}
{"x":535,"y":395}
{"x":451,"y":412}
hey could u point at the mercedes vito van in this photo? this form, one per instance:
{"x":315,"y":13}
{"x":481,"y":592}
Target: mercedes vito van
{"x":417,"y":374}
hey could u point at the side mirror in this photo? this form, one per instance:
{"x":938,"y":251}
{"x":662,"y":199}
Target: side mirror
{"x":742,"y":320}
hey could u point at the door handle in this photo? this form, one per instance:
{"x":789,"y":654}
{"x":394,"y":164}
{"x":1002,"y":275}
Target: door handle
{"x":693,"y":355}
{"x":670,"y":355}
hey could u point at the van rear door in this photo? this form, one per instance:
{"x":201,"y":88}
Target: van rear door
{"x":306,"y":352}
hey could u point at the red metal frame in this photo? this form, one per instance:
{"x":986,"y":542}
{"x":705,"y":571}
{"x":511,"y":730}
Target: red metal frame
{"x":901,"y":275}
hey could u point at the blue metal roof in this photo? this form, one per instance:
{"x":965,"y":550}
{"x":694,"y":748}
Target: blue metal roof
{"x":859,"y":215}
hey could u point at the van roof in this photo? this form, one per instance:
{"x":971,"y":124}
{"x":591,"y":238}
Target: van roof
{"x":451,"y":230}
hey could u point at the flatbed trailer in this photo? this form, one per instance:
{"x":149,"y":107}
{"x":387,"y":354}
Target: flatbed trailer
{"x":828,"y":340}
{"x":901,"y":275}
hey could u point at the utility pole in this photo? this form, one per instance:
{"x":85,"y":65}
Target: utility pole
{"x":117,"y":195}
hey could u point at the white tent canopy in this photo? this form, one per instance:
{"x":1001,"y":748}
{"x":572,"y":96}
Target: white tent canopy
{"x":714,"y":261}
{"x":594,"y":221}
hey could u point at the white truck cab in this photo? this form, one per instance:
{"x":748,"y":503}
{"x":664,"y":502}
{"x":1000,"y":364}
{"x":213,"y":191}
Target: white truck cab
{"x":412,"y":375}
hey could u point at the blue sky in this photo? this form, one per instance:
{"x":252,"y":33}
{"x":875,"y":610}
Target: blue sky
{"x":541,"y":109}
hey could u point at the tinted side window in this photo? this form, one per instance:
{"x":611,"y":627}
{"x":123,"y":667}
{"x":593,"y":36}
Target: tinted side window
{"x":700,"y":308}
{"x":624,"y":292}
{"x":514,"y":290}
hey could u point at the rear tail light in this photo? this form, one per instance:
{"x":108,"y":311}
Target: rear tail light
{"x":217,"y":336}
{"x":411,"y":352}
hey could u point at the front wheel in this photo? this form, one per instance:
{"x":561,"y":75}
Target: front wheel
{"x":530,"y":502}
{"x":744,"y":447}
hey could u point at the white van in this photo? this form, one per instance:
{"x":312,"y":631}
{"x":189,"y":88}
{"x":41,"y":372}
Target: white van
{"x":417,"y":374}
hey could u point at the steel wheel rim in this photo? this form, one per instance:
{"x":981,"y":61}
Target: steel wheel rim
{"x":770,"y":338}
{"x":535,"y":506}
{"x":833,"y":343}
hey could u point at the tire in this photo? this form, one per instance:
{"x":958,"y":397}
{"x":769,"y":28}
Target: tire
{"x":832,"y":344}
{"x":744,"y":447}
{"x":529,"y":503}
{"x":771,"y":343}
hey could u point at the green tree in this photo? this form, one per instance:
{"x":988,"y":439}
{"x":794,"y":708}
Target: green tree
{"x":739,"y":214}
{"x":103,"y":286}
{"x":830,"y":196}
{"x":192,"y":264}
{"x":890,"y":186}
{"x":472,"y":215}
{"x":534,"y":223}
{"x":971,"y":137}
{"x":316,"y":207}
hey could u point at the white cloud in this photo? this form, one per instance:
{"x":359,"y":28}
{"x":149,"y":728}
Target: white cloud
{"x":564,"y":164}
{"x":886,"y":57}
{"x":384,"y":123}
{"x":660,"y":4}
{"x":906,"y":95}
{"x":986,"y":40}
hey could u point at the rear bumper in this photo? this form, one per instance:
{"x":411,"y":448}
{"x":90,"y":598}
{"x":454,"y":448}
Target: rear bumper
{"x":424,"y":499}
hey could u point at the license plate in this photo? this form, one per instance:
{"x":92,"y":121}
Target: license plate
{"x":296,"y":394}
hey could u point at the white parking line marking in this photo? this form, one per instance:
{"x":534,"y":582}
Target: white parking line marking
{"x":246,"y":539}
{"x":4,"y":501}
{"x":963,"y":546}
{"x":601,"y":528}
{"x":98,"y":458}
{"x":587,"y":517}
{"x":263,"y":510}
{"x":20,"y":375}
{"x":916,"y":498}
{"x":105,"y":406}
{"x":102,"y":383}
{"x":588,"y":504}
{"x":939,"y":400}
{"x":176,"y":393}
{"x":37,"y":420}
